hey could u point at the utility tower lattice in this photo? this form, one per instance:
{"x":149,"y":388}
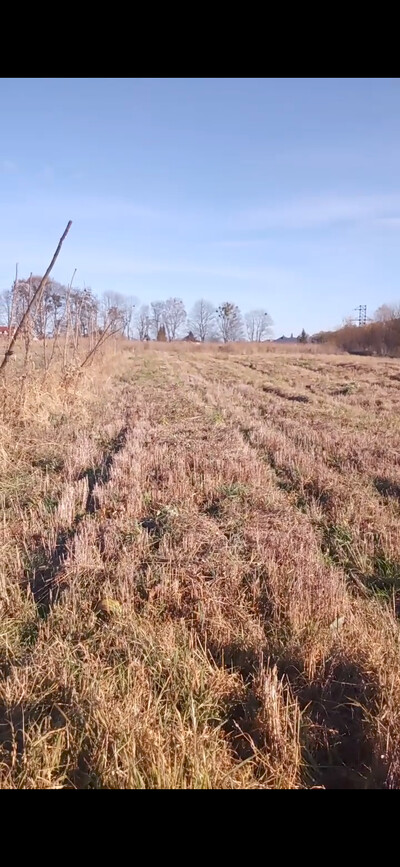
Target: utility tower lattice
{"x":362,"y":314}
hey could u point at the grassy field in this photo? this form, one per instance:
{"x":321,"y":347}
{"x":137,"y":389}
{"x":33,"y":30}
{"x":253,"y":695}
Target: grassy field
{"x":200,"y":571}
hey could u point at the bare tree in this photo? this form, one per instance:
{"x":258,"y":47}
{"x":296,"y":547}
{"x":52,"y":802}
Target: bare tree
{"x":174,"y":316}
{"x":84,"y":311}
{"x":117,"y":301}
{"x":161,"y":335}
{"x":258,"y":325}
{"x":387,"y":312}
{"x":67,"y":319}
{"x":113,"y":325}
{"x":6,"y":307}
{"x":230,"y":323}
{"x":113,"y":310}
{"x":202,"y":320}
{"x":35,"y":299}
{"x":112,"y":301}
{"x":130,"y":305}
{"x":46,"y":316}
{"x":143,"y":322}
{"x":303,"y":337}
{"x":157,"y":316}
{"x":55,"y":300}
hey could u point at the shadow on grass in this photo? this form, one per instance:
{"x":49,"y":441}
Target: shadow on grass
{"x":23,"y":724}
{"x":338,"y":746}
{"x":101,"y":475}
{"x":43,"y":573}
{"x":387,"y":488}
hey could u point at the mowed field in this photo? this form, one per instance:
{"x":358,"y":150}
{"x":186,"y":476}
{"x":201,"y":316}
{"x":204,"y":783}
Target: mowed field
{"x":200,"y":571}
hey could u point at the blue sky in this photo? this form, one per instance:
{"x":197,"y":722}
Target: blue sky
{"x":280,"y":193}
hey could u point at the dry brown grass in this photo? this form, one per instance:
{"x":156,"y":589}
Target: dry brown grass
{"x":200,"y":571}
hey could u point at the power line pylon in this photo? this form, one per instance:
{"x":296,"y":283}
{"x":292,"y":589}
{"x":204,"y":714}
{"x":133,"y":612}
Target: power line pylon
{"x":362,"y":314}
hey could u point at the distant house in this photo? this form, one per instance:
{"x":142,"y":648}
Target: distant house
{"x":284,"y":339}
{"x":190,"y":338}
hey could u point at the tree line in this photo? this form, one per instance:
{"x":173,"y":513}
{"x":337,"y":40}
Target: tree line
{"x":78,"y":312}
{"x":168,"y":320}
{"x":380,"y":336}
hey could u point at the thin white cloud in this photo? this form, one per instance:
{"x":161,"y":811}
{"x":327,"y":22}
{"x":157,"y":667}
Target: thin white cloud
{"x":320,"y":211}
{"x":306,"y":213}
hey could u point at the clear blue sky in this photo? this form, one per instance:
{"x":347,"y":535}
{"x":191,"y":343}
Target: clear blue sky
{"x":281,"y":193}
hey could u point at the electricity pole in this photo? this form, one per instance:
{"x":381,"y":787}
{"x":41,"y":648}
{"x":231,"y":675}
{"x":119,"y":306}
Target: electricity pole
{"x":362,"y":314}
